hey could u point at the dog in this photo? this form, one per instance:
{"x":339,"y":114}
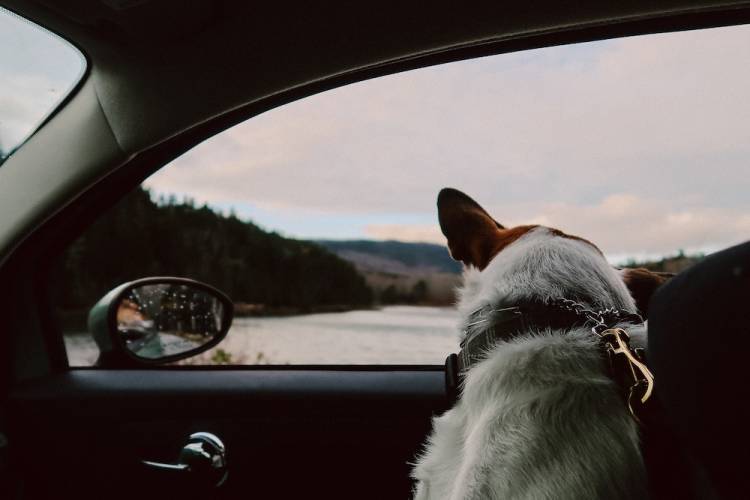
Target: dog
{"x":538,"y":417}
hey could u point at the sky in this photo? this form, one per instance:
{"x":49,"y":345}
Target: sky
{"x":639,"y":144}
{"x":37,"y":70}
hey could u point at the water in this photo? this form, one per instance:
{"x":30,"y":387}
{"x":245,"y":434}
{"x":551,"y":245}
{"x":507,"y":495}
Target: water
{"x":391,"y":335}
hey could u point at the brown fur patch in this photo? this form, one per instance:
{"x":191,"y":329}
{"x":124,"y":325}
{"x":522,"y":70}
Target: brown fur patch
{"x":474,"y":237}
{"x":470,"y":230}
{"x":642,"y":283}
{"x":504,"y":237}
{"x":557,"y":232}
{"x":501,"y":239}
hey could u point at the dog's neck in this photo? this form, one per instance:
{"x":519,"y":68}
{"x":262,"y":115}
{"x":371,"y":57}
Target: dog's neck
{"x":540,"y":266}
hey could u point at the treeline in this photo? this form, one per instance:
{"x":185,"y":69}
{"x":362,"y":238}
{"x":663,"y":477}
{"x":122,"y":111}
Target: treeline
{"x":139,"y":238}
{"x":413,"y":257}
{"x":416,"y":295}
{"x":671,"y":264}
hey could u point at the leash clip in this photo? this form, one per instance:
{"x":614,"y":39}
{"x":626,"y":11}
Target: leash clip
{"x":628,"y":369}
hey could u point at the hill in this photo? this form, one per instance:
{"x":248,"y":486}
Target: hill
{"x":140,"y":237}
{"x":670,"y":264}
{"x":401,"y":272}
{"x":394,"y":256}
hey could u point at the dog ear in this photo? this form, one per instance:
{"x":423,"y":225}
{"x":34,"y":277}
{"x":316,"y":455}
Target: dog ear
{"x":642,"y":283}
{"x":471,"y":232}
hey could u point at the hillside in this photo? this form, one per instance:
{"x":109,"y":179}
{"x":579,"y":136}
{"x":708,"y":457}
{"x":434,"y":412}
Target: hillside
{"x":423,"y":273}
{"x":139,"y":237}
{"x":401,"y":272}
{"x":394,"y":256}
{"x":671,"y":264}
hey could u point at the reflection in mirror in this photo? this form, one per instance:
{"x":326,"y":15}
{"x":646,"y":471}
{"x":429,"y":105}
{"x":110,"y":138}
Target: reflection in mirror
{"x":160,"y":320}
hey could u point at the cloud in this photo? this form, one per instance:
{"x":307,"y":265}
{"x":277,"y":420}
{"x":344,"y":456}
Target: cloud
{"x":628,"y":225}
{"x":403,"y":232}
{"x":594,"y":136}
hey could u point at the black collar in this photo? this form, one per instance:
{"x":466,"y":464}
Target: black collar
{"x":488,"y":325}
{"x":627,"y":366}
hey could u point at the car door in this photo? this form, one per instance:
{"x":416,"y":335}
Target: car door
{"x":321,"y":433}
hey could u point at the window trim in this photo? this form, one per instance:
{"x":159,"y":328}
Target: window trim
{"x":47,"y":242}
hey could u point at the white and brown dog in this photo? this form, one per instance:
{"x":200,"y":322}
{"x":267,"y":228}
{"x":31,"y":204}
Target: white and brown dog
{"x":538,"y":417}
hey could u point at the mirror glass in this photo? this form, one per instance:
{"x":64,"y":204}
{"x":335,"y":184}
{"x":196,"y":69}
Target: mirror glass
{"x":160,"y":320}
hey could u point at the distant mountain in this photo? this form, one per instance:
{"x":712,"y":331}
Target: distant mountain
{"x":400,"y":272}
{"x":396,"y":257}
{"x":670,"y":264}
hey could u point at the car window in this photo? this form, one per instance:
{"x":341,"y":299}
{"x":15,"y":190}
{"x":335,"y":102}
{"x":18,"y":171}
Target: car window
{"x":38,"y":70}
{"x":318,"y":220}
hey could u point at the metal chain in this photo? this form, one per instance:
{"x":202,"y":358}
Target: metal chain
{"x":599,"y":320}
{"x":626,"y":364}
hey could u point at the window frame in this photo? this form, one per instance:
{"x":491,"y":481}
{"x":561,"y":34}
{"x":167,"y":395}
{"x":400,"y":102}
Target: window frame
{"x":51,"y":239}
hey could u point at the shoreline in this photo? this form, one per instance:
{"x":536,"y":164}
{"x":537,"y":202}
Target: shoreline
{"x":261,"y":311}
{"x":76,"y":319}
{"x":243,"y":310}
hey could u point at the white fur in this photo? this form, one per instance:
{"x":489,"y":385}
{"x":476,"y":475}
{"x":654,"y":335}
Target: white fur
{"x":538,"y":418}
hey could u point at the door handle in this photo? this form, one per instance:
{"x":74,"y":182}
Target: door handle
{"x":204,"y":457}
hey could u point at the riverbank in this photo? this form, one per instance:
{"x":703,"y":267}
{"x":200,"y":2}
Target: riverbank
{"x":388,"y":335}
{"x":76,"y":319}
{"x":242,"y":310}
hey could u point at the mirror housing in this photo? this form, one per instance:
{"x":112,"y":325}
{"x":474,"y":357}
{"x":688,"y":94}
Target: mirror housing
{"x":158,"y":320}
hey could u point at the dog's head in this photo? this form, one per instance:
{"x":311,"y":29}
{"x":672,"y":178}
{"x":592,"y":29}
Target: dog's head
{"x":476,"y":239}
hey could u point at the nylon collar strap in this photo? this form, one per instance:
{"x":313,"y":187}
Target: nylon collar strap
{"x":627,"y":366}
{"x":487,"y":326}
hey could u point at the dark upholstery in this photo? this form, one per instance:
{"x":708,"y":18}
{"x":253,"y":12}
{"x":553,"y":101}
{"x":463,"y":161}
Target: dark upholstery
{"x":699,"y":346}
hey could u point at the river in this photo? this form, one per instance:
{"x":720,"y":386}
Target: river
{"x":390,"y":335}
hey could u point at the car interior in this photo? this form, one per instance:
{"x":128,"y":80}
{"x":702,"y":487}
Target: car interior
{"x":160,"y":78}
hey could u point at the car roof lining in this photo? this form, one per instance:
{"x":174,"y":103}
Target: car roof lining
{"x":158,"y":73}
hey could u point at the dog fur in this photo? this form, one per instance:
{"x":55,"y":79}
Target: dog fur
{"x":538,"y":417}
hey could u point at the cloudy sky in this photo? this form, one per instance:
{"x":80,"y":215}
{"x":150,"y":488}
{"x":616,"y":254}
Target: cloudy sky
{"x":37,"y":70}
{"x":641,"y":145}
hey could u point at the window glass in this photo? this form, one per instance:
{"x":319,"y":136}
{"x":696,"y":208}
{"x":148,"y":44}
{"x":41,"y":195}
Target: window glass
{"x":318,"y":218}
{"x":37,"y":70}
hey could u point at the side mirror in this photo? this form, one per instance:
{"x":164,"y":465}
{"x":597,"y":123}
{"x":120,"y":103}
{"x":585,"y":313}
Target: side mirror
{"x":158,"y":320}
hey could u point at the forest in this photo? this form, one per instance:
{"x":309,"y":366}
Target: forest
{"x":142,"y":237}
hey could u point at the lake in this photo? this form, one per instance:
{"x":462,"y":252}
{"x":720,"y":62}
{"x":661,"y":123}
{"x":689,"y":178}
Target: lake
{"x":390,"y":335}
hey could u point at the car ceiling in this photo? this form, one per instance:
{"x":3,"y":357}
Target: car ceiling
{"x":160,"y":67}
{"x":165,"y":75}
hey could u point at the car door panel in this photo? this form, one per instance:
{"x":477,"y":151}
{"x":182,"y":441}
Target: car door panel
{"x":318,"y":433}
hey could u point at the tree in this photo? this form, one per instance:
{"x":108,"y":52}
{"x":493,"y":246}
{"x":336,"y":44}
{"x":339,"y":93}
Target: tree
{"x":419,"y":291}
{"x":390,"y":295}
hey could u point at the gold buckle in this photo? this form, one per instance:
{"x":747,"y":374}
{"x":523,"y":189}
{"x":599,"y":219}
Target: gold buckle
{"x":628,"y":369}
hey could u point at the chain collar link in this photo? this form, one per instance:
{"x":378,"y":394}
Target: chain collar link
{"x":626,"y":364}
{"x":600,"y":320}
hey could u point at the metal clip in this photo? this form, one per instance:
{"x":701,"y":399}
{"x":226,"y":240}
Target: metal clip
{"x":628,"y":369}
